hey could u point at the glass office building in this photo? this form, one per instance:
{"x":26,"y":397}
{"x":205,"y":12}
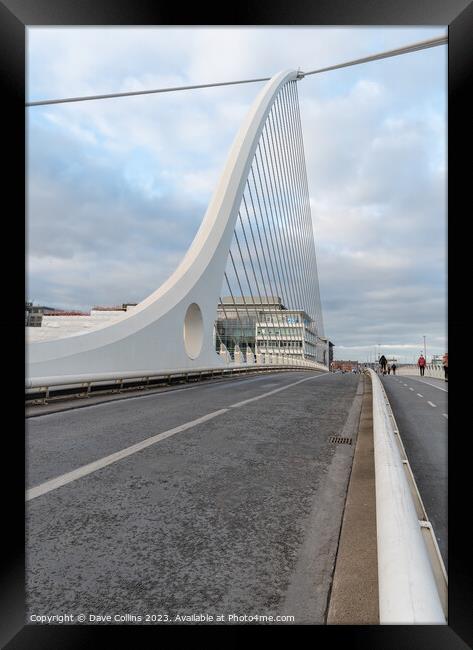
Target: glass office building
{"x":265,"y":327}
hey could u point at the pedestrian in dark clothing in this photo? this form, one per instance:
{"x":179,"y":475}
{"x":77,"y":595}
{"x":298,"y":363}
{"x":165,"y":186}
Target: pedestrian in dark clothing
{"x":382,"y":362}
{"x":393,"y":368}
{"x":421,"y":364}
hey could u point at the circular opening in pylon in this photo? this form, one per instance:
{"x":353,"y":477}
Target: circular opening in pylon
{"x":193,"y":330}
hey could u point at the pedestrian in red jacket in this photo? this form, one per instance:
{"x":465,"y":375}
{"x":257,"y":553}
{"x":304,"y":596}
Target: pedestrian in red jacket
{"x":421,"y":364}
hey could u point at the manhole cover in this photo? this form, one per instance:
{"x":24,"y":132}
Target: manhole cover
{"x":338,"y":440}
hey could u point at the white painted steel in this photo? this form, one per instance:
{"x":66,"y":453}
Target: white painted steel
{"x":407,"y":588}
{"x":152,"y":335}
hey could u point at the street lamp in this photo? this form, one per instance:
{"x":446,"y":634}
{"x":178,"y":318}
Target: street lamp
{"x":425,"y":351}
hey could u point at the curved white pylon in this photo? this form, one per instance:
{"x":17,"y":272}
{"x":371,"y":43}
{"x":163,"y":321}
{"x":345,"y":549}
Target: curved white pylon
{"x":173,"y":327}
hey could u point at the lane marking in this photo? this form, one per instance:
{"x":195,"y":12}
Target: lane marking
{"x":445,"y":415}
{"x":59,"y":481}
{"x":429,"y":384}
{"x":419,"y":395}
{"x":75,"y":474}
{"x":411,"y":389}
{"x":272,"y":392}
{"x":434,"y":405}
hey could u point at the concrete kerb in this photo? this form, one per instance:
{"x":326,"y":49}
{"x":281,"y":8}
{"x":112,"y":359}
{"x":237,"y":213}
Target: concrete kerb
{"x":308,"y":592}
{"x":354,"y":594}
{"x":383,"y":574}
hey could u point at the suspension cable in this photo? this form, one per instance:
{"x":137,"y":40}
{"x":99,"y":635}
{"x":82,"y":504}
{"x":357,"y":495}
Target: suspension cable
{"x":414,"y":47}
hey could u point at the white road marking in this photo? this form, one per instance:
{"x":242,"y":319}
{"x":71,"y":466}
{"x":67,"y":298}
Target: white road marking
{"x":272,"y":392}
{"x":411,"y":389}
{"x":75,"y":474}
{"x":419,"y":395}
{"x":54,"y":483}
{"x":434,"y":405}
{"x":429,"y":384}
{"x":445,"y":415}
{"x":404,"y":384}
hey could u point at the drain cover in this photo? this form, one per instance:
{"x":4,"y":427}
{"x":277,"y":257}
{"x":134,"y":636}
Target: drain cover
{"x":339,"y":440}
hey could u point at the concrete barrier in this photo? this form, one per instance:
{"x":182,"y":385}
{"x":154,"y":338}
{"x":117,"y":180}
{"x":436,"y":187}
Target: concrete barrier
{"x":407,"y":587}
{"x":431,"y":370}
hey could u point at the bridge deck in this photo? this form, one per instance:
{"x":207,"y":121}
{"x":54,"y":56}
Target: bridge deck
{"x":210,"y":520}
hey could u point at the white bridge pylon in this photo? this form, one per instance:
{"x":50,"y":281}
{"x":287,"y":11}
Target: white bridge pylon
{"x":174,"y":327}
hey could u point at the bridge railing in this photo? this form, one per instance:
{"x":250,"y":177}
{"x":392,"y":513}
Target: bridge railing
{"x":83,"y":385}
{"x":431,"y":370}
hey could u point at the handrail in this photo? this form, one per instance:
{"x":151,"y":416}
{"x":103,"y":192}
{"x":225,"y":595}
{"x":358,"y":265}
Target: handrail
{"x":68,"y":380}
{"x":407,"y":587}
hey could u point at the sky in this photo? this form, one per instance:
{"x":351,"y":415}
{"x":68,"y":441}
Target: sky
{"x":117,"y":188}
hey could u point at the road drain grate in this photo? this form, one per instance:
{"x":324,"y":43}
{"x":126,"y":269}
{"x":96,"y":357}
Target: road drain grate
{"x":340,"y":441}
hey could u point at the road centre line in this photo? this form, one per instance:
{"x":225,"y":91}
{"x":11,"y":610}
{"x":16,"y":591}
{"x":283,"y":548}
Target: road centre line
{"x":272,"y":392}
{"x":445,"y":415}
{"x":428,"y":384}
{"x":55,"y":483}
{"x":434,"y":405}
{"x":419,"y":395}
{"x":411,"y":389}
{"x":69,"y":477}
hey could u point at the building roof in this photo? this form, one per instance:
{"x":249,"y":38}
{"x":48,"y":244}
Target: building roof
{"x":251,"y":301}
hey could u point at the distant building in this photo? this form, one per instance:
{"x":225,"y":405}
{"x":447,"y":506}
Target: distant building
{"x":115,"y":308}
{"x":346,"y":366}
{"x":266,"y":326}
{"x":33,"y":315}
{"x":326,"y":351}
{"x":65,"y":312}
{"x":108,"y":308}
{"x":330,"y":352}
{"x":61,"y":323}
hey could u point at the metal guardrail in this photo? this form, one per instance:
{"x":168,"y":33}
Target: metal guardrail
{"x":41,"y":389}
{"x":409,"y":587}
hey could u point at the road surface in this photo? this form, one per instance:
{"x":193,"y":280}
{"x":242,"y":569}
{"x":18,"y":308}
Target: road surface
{"x":231,"y":505}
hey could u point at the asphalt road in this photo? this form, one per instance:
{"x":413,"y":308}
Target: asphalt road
{"x":237,"y":514}
{"x":419,"y":405}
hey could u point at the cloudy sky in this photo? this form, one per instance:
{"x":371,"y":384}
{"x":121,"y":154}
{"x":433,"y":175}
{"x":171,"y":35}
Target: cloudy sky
{"x":117,"y":188}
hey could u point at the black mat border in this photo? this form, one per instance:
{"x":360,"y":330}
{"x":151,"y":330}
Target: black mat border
{"x":15,"y":15}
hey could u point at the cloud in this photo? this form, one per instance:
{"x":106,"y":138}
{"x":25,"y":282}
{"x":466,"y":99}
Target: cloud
{"x":117,"y":188}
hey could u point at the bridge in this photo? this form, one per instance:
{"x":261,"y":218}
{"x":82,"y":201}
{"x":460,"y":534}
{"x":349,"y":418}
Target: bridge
{"x":196,"y":459}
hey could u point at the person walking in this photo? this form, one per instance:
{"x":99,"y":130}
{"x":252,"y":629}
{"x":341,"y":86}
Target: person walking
{"x":421,"y":364}
{"x":389,"y":369}
{"x":393,"y":368}
{"x":445,"y":365}
{"x":382,"y":363}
